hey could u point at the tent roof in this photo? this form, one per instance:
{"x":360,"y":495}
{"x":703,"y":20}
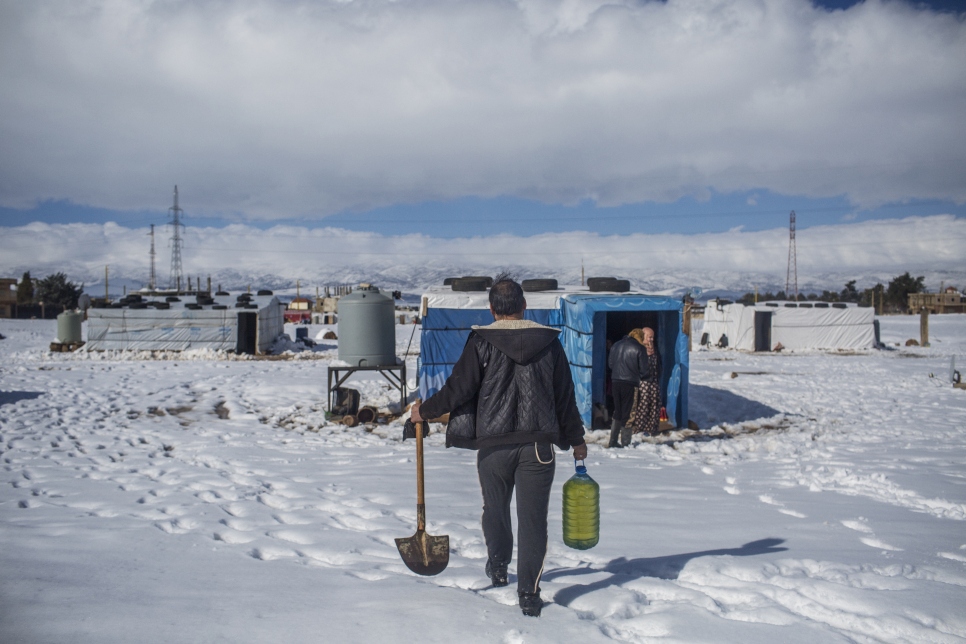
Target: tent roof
{"x":771,"y":305}
{"x":443,"y":297}
{"x":178,"y":309}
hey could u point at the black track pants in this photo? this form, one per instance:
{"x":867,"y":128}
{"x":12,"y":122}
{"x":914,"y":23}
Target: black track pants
{"x":530,"y":468}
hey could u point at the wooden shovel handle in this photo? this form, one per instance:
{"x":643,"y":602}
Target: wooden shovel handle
{"x":420,"y":483}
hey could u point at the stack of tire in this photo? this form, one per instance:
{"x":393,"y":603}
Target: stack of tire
{"x":469,"y":283}
{"x":133,"y":301}
{"x":537,"y":285}
{"x":608,"y":285}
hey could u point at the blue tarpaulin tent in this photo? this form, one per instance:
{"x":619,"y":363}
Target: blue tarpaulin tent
{"x":587,"y":322}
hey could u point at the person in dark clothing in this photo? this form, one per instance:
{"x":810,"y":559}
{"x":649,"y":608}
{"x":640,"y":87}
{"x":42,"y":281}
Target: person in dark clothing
{"x":629,"y":365}
{"x":511,"y":397}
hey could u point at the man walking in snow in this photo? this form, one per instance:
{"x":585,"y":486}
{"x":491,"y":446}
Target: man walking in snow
{"x":511,"y":397}
{"x":628,"y":362}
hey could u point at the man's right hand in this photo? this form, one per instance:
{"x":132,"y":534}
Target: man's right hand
{"x":580,"y":452}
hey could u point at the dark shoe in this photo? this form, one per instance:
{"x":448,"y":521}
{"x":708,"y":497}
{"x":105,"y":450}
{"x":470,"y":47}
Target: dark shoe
{"x":626,"y":434}
{"x":531,"y":604}
{"x":615,"y":431}
{"x":497,"y":574}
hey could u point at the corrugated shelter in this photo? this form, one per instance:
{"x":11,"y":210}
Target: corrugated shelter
{"x":795,"y":325}
{"x":588,"y":321}
{"x":250,"y":329}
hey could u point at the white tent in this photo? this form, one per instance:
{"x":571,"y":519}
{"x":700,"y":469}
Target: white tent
{"x":179,"y":328}
{"x":796,"y":326}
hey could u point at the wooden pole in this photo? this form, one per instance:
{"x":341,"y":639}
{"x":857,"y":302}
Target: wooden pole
{"x":107,"y":295}
{"x":924,"y":327}
{"x":687,"y":322}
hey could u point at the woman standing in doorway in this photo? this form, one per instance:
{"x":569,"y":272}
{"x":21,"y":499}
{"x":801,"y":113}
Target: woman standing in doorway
{"x":646,"y":414}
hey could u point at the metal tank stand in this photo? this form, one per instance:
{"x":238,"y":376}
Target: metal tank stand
{"x":395,"y":374}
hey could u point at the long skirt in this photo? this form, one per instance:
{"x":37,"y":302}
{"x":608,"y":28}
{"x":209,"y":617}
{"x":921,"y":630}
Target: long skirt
{"x":646,"y":413}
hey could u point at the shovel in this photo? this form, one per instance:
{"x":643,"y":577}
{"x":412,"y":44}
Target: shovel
{"x":422,"y":553}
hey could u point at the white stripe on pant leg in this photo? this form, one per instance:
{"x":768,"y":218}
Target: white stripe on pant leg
{"x":536,"y":584}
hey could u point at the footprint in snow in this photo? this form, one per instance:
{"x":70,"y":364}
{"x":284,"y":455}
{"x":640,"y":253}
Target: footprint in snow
{"x":269,"y":553}
{"x":233,"y":538}
{"x":292,"y":536}
{"x":793,"y":513}
{"x":858,"y":526}
{"x":875,"y":543}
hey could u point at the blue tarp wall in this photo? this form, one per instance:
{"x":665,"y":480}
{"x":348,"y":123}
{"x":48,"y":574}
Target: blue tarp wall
{"x":582,"y":320}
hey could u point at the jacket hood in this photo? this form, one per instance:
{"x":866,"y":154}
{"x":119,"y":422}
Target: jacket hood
{"x":520,"y":340}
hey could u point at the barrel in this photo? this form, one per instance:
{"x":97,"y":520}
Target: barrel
{"x":69,"y":327}
{"x":367,"y":329}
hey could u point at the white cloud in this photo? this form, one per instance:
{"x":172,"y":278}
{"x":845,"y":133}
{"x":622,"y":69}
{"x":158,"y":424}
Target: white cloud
{"x":273,"y":109}
{"x":242,"y":254}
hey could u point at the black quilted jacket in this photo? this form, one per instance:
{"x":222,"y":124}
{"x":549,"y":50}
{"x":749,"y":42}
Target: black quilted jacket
{"x":628,"y":361}
{"x":510,"y":385}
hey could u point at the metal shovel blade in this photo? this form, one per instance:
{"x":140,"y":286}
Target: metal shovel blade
{"x":424,"y":554}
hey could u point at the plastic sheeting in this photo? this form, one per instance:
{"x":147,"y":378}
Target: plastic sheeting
{"x":179,"y":329}
{"x":796,"y":328}
{"x":449,"y":317}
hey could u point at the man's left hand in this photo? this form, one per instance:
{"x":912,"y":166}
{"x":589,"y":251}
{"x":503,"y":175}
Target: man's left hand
{"x":580,"y":452}
{"x":414,"y":413}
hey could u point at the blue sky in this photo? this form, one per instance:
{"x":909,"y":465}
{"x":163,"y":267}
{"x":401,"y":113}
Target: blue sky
{"x":469,"y":217}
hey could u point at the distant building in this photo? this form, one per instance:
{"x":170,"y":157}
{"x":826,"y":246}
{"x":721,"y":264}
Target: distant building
{"x":299,"y":310}
{"x":949,"y":301}
{"x":8,"y":297}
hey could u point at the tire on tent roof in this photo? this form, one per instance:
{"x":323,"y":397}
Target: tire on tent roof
{"x":535,"y":285}
{"x":469,"y":284}
{"x":488,"y":280}
{"x":791,"y":305}
{"x":609,"y":284}
{"x":839,"y":305}
{"x":622,"y":286}
{"x":265,"y":291}
{"x":449,"y":281}
{"x":219,"y":307}
{"x":222,"y":293}
{"x":596,"y":283}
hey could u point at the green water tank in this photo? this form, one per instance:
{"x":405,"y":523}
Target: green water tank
{"x":69,"y":327}
{"x":367,"y":328}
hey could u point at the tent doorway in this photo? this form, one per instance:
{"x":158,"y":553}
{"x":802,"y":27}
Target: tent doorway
{"x":610,"y":327}
{"x":763,"y":330}
{"x":247,"y":341}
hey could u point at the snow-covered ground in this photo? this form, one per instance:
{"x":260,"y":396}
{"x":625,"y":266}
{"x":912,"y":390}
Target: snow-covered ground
{"x":202,"y":498}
